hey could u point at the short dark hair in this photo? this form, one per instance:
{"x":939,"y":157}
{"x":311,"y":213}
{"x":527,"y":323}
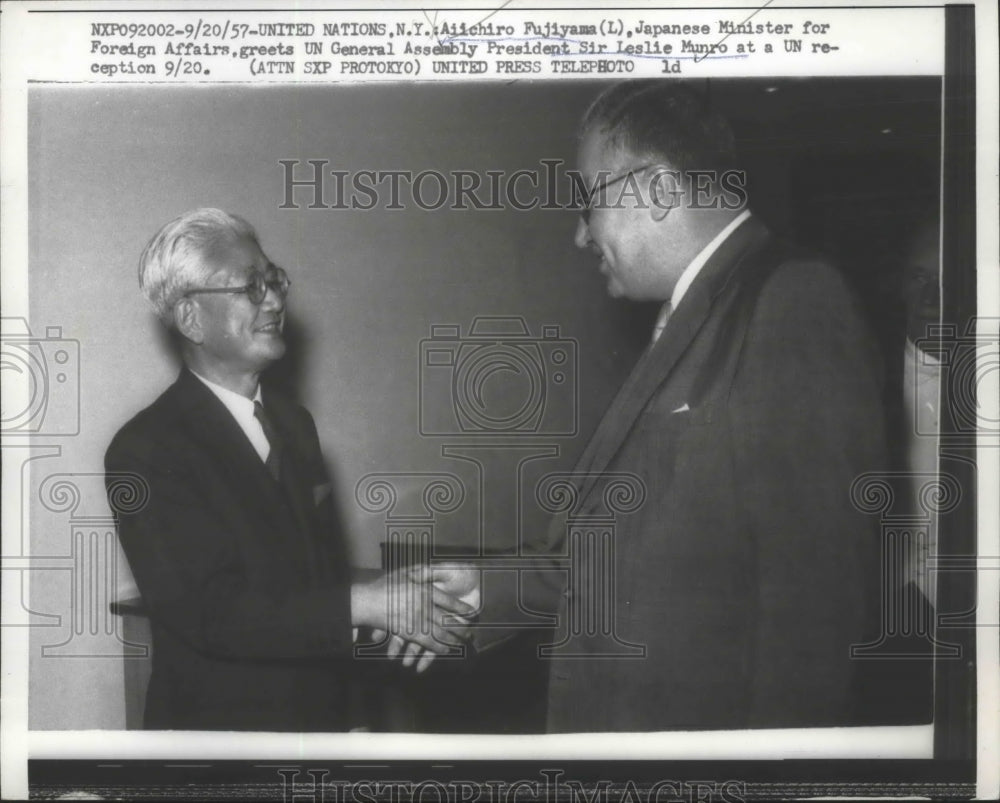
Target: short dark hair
{"x":661,"y":119}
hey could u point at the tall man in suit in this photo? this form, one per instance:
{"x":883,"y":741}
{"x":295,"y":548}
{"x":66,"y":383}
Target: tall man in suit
{"x":237,"y":553}
{"x":747,"y":575}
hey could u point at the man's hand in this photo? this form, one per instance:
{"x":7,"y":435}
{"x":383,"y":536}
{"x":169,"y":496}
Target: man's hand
{"x":419,"y":614}
{"x":460,"y":580}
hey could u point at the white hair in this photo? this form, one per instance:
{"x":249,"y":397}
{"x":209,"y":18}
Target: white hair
{"x":176,"y":259}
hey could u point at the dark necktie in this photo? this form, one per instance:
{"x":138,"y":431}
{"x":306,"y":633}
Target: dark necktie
{"x":273,"y":461}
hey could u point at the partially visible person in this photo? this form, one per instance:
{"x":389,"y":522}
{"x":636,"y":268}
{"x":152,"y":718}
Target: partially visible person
{"x":922,"y":383}
{"x":238,"y":557}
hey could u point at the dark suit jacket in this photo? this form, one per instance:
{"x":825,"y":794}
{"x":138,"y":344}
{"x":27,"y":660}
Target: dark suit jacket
{"x":747,"y":573}
{"x":245,"y":579}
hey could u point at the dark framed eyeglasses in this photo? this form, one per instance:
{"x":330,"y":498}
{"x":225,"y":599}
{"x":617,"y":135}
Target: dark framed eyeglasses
{"x":588,"y":200}
{"x":256,"y":289}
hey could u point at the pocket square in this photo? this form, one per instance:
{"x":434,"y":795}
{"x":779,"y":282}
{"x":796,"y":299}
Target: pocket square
{"x":321,"y":492}
{"x":682,"y":409}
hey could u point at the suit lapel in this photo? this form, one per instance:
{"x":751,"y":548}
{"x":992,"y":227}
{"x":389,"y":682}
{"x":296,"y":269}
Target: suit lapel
{"x":214,"y":426}
{"x":658,"y":361}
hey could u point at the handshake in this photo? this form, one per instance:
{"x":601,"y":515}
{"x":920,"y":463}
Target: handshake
{"x":424,"y":611}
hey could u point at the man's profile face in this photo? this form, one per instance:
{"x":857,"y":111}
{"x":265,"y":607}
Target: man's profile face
{"x":621,"y":227}
{"x":922,"y":296}
{"x":238,"y":335}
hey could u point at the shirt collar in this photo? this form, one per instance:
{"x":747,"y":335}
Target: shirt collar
{"x":238,"y":405}
{"x":695,"y":265}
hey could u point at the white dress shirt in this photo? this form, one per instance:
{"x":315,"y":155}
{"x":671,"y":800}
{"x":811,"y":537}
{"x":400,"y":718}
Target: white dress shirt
{"x":693,"y":269}
{"x":241,"y":408}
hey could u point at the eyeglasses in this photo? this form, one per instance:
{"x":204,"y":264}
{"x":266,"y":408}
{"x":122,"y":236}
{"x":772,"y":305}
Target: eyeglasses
{"x":275,"y":279}
{"x":588,"y":205}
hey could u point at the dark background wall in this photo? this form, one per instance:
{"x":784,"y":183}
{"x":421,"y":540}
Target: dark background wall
{"x":843,"y":164}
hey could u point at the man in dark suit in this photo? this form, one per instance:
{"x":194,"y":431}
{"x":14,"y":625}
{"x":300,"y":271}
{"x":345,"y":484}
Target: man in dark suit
{"x":237,"y":554}
{"x":746,"y":576}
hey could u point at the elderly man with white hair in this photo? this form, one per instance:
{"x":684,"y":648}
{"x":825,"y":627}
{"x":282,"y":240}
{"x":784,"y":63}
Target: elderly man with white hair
{"x":238,"y":556}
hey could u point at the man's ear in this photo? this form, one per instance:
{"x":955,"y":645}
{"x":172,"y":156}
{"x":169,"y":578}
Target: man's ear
{"x":187,"y":320}
{"x":666,"y":191}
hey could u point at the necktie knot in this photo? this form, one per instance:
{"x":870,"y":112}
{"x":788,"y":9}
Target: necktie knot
{"x":273,"y":461}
